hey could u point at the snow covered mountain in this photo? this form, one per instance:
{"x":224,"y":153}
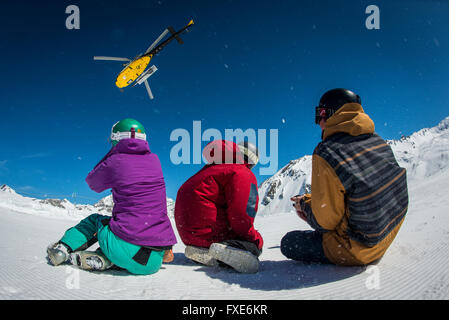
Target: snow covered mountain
{"x":424,"y":154}
{"x":57,"y":208}
{"x":293,"y":179}
{"x":7,"y":189}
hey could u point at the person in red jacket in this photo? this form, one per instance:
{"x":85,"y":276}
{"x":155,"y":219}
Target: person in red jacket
{"x":216,"y":207}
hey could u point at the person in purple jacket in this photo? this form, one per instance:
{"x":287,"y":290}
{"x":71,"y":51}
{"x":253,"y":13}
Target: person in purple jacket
{"x":139,"y":236}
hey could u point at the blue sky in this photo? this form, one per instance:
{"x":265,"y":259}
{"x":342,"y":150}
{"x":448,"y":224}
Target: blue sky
{"x":245,"y":64}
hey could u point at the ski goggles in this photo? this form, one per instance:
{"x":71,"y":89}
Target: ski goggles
{"x":322,"y":112}
{"x":117,"y":136}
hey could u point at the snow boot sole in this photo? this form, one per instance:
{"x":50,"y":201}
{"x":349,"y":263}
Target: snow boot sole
{"x":55,"y":255}
{"x":240,"y":260}
{"x":88,"y":260}
{"x":200,"y":255}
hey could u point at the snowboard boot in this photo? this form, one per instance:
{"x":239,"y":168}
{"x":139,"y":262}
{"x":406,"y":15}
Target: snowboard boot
{"x":58,"y":253}
{"x":88,"y":260}
{"x":240,"y":260}
{"x":200,"y":255}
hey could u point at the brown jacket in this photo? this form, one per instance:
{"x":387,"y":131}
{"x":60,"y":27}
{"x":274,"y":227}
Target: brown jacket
{"x":359,"y":193}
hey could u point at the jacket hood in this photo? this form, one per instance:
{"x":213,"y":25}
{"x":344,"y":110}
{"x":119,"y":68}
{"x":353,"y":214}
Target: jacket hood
{"x":350,"y":119}
{"x":222,"y":151}
{"x":131,"y":146}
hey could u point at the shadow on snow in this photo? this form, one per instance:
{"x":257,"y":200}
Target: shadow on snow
{"x":277,"y":275}
{"x":285,"y":275}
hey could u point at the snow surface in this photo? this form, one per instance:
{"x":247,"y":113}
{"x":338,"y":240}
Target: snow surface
{"x":414,"y":267}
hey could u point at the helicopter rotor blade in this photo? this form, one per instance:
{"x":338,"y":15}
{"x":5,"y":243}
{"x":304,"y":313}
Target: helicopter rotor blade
{"x":163,"y":34}
{"x":111,"y":58}
{"x":150,"y":94}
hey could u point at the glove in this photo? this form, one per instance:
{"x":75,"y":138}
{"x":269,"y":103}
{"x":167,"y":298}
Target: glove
{"x":299,"y":206}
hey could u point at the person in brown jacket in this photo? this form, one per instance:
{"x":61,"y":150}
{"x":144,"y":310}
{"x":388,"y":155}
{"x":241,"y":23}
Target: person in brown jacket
{"x":359,"y":195}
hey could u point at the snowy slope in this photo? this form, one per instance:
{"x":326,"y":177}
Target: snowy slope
{"x":415,"y":266}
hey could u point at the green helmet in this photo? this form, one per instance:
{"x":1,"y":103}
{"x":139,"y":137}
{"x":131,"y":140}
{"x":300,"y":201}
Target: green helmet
{"x":126,"y":129}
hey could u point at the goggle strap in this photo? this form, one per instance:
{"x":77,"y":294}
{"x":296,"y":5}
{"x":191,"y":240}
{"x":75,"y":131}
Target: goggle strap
{"x":117,"y":136}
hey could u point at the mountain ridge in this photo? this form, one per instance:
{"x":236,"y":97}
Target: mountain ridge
{"x":10,"y":199}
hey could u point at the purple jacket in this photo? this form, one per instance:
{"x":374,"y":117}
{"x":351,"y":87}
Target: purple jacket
{"x":138,"y":189}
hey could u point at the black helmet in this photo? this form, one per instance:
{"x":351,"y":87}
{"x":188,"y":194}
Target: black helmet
{"x":333,"y":100}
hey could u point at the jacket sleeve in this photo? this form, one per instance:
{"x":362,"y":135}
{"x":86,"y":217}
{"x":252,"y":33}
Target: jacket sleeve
{"x":102,"y":176}
{"x":325,"y":207}
{"x":242,"y":201}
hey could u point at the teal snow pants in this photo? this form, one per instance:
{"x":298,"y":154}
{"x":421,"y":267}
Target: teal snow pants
{"x":134,"y":258}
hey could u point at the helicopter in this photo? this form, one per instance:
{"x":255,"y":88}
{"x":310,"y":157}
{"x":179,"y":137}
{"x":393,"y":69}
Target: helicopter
{"x":135,"y":70}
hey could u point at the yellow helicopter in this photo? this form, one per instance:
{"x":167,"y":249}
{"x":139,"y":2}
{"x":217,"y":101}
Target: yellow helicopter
{"x":135,"y":70}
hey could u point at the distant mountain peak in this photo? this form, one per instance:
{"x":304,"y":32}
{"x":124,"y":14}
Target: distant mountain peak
{"x":292,"y":179}
{"x":443,"y":125}
{"x":106,"y":203}
{"x":56,"y":203}
{"x":8,"y":189}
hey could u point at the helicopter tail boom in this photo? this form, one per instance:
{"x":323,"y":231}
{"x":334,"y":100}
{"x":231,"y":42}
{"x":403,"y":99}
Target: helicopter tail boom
{"x":174,"y":35}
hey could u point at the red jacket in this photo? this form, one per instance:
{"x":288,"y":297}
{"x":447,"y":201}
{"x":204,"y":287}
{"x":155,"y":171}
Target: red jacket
{"x":220,"y":201}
